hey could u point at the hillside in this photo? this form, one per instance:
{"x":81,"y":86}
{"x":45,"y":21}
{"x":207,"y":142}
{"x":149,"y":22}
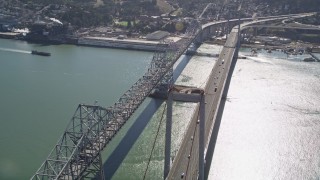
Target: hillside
{"x":295,"y":5}
{"x":89,"y":13}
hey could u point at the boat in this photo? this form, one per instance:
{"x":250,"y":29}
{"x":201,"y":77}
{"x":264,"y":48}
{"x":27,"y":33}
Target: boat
{"x":40,"y":53}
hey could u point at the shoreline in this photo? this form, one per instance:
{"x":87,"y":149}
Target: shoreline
{"x":305,"y":56}
{"x":99,"y":42}
{"x":140,"y":44}
{"x":315,"y":48}
{"x":129,"y":44}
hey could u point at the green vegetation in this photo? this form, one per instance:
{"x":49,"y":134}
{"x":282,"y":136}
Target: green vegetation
{"x":315,"y":38}
{"x":311,"y":35}
{"x":164,"y":6}
{"x":122,"y":23}
{"x":177,"y":12}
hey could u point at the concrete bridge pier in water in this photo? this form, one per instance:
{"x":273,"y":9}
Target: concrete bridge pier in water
{"x":185,"y":94}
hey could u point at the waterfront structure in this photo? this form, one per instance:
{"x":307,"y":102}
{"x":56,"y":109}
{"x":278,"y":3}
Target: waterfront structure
{"x":121,"y":43}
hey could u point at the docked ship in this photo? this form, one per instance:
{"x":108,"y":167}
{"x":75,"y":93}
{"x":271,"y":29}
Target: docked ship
{"x":40,"y":53}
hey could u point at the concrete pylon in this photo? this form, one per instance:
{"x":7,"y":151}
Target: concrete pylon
{"x":168,"y":137}
{"x":194,"y":95}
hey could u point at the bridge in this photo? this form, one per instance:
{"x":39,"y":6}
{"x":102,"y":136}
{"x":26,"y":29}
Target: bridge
{"x":77,"y":154}
{"x":197,"y":146}
{"x":298,"y":27}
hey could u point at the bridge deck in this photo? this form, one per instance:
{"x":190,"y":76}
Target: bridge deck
{"x":185,"y":165}
{"x":186,"y":161}
{"x":300,"y":27}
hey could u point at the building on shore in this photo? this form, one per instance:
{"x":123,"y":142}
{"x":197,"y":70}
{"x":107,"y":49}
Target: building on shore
{"x":157,"y":35}
{"x":120,"y":43}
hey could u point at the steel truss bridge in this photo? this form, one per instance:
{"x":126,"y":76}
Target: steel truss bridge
{"x":77,"y":154}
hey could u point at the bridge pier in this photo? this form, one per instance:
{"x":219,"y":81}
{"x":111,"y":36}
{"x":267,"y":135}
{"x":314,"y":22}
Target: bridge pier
{"x":195,"y":95}
{"x":227,"y":28}
{"x":201,"y":138}
{"x":167,"y":161}
{"x":95,"y":171}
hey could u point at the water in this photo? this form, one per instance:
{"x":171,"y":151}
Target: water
{"x":270,"y":128}
{"x":271,"y":123}
{"x":39,"y":95}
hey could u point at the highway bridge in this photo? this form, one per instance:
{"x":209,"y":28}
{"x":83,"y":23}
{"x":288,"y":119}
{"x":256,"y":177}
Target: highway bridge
{"x":298,"y":27}
{"x":77,"y":154}
{"x":187,"y":163}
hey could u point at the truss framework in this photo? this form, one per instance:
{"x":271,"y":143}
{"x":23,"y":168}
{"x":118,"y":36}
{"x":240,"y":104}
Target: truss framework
{"x":77,"y":153}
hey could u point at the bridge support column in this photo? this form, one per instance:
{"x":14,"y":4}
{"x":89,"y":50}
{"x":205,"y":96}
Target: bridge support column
{"x":101,"y":172}
{"x":201,"y":138}
{"x":95,"y":171}
{"x":168,"y":137}
{"x":227,"y":28}
{"x":239,"y":37}
{"x":194,"y":95}
{"x":255,"y":31}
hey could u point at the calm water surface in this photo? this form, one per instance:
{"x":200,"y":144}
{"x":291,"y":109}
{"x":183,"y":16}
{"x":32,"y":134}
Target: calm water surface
{"x":271,"y":123}
{"x":38,"y":95}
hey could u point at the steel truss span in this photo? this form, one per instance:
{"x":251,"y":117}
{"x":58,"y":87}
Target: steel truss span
{"x":77,"y":153}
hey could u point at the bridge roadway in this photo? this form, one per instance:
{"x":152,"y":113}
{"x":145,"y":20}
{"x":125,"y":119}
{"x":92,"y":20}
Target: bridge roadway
{"x":300,"y":27}
{"x":183,"y":163}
